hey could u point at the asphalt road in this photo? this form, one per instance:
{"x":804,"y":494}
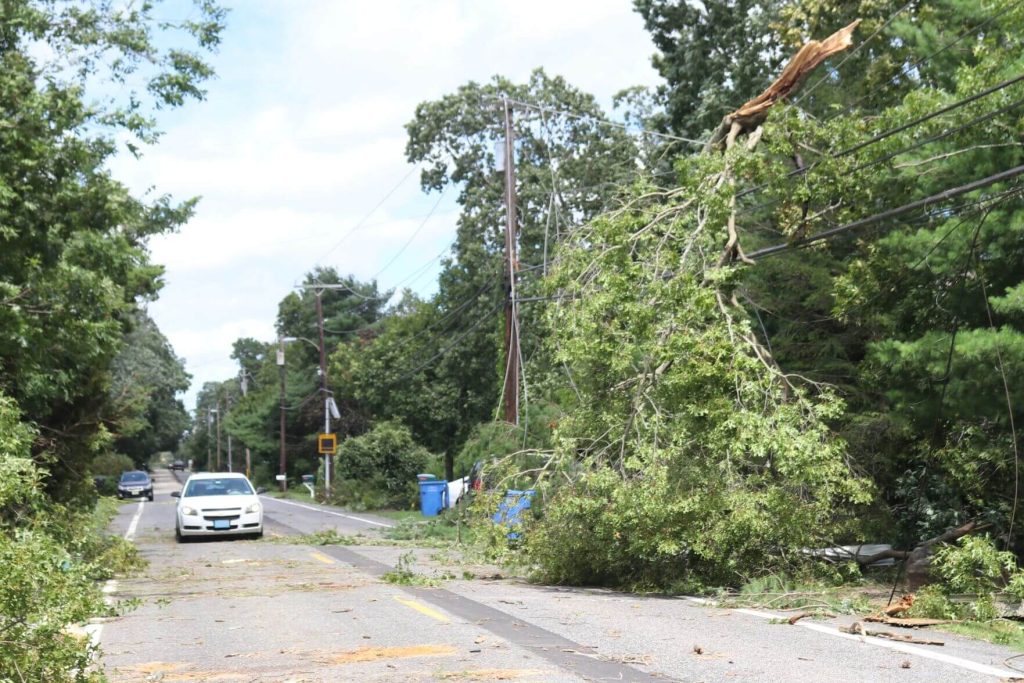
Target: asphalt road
{"x":276,"y":610}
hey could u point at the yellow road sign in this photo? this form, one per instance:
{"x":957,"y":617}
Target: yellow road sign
{"x":327,"y":444}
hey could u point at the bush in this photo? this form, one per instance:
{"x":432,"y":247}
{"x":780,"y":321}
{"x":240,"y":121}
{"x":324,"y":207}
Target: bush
{"x":45,"y":552}
{"x":378,"y":469}
{"x":972,"y":566}
{"x":111,"y":465}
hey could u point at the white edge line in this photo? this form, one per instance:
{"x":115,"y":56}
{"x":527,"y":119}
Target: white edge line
{"x":330,"y":512}
{"x":95,"y":630}
{"x":130,"y":534}
{"x":976,"y":667}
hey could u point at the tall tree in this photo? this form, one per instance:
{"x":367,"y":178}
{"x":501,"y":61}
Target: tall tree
{"x":147,"y":416}
{"x":73,"y":259}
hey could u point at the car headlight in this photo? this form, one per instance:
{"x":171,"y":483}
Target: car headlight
{"x":186,"y":510}
{"x":255,"y":507}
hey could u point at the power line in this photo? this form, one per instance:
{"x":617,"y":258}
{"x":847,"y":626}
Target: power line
{"x":414,"y":234}
{"x":448,"y":348}
{"x":588,"y":117}
{"x":927,"y":117}
{"x":372,"y":211}
{"x":885,"y":24}
{"x":450,"y":314}
{"x":903,"y":127}
{"x":906,"y":69}
{"x":891,"y":213}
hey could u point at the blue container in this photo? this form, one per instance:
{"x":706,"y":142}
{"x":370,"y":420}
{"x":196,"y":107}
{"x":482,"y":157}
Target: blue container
{"x":510,"y":509}
{"x":433,"y":496}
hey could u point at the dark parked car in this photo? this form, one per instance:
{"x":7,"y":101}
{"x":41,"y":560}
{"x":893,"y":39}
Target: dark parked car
{"x":135,"y":484}
{"x":177,"y":464}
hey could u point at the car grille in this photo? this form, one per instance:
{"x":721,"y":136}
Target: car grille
{"x":212,"y":515}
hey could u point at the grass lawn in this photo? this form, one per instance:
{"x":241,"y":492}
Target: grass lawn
{"x":400,"y":515}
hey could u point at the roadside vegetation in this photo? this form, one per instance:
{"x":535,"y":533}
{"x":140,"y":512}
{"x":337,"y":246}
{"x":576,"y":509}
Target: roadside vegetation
{"x":691,"y":418}
{"x":798,"y":327}
{"x":88,"y":384}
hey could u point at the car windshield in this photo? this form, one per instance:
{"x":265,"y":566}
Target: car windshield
{"x":134,"y":478}
{"x":218,"y":487}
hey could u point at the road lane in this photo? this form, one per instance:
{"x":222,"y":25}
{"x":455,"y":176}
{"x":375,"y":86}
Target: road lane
{"x":522,"y":631}
{"x":246,"y":610}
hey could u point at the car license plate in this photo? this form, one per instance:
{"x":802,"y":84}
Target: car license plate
{"x":221,"y":524}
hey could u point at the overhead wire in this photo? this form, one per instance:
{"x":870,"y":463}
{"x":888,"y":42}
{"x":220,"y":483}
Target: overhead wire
{"x":890,"y":213}
{"x":416,"y":232}
{"x":906,"y":69}
{"x":850,"y":55}
{"x":906,"y":126}
{"x":447,"y":349}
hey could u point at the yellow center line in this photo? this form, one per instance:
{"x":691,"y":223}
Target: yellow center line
{"x":316,"y":555}
{"x":423,"y":609}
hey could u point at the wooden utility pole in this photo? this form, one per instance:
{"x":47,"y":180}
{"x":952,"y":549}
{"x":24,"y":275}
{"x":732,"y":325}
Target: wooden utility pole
{"x":511,"y":392}
{"x":218,"y":434}
{"x":323,"y":387}
{"x":283,"y":460}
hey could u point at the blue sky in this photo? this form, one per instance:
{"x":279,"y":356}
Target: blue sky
{"x":302,"y":136}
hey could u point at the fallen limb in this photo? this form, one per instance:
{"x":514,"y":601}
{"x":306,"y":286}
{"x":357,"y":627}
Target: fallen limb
{"x":857,"y":629}
{"x":905,"y":623}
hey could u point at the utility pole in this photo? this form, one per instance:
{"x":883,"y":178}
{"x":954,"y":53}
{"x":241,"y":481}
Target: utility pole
{"x":323,"y":387}
{"x":230,"y":465}
{"x":218,"y":433}
{"x":329,"y":405}
{"x":283,"y":469}
{"x":208,"y":421}
{"x":511,"y":383}
{"x":244,"y":385}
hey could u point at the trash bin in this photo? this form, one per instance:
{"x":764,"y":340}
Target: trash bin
{"x":510,"y":509}
{"x":425,"y":477}
{"x":433,"y":496}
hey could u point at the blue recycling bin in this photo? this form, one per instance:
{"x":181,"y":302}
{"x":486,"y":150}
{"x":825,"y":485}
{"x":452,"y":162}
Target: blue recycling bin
{"x":433,"y":496}
{"x":510,"y":510}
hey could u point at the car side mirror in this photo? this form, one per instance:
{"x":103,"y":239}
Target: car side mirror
{"x":175,"y":494}
{"x":261,"y":490}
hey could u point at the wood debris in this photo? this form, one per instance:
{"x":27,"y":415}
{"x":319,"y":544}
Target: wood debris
{"x":905,"y":622}
{"x":904,"y":604}
{"x":857,"y":629}
{"x":753,"y":113}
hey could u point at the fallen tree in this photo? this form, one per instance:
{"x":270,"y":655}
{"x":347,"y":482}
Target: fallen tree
{"x":918,"y":558}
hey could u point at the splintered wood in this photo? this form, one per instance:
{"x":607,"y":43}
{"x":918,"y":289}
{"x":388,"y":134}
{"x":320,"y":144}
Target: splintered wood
{"x":753,"y":113}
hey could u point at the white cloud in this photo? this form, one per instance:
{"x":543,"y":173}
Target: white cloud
{"x":302,"y":135}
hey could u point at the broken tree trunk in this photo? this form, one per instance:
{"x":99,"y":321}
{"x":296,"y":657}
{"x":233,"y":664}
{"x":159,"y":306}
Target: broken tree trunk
{"x":753,"y":113}
{"x":919,"y":558}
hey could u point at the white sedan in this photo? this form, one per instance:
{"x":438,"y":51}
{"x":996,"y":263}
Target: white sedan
{"x":218,"y":504}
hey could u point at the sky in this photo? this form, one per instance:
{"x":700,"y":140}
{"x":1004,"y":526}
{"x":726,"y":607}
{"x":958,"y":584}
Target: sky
{"x":298,"y":151}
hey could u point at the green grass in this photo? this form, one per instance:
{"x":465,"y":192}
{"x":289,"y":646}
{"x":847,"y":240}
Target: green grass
{"x":293,"y":493}
{"x":399,"y":515}
{"x":432,"y":531}
{"x":998,"y":631}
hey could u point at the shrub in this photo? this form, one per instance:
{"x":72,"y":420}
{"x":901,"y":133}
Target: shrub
{"x":48,"y":570}
{"x":111,"y":465}
{"x":378,"y":469}
{"x":973,"y":566}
